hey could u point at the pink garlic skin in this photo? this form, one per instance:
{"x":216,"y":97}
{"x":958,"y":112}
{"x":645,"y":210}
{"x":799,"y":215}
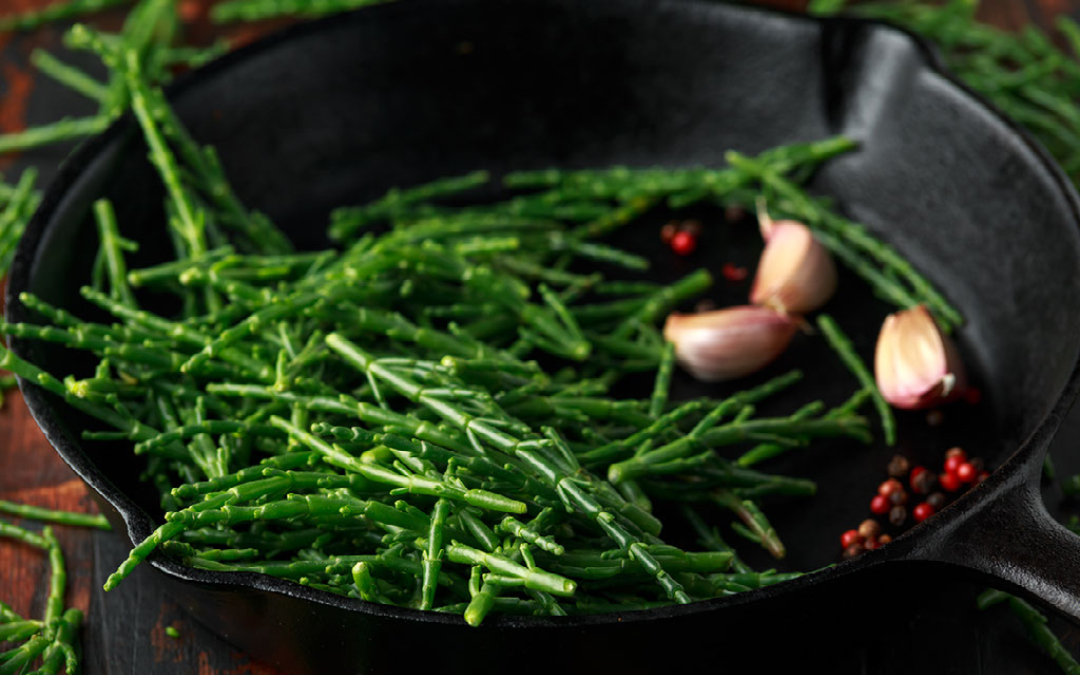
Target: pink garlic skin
{"x":766,"y":225}
{"x":915,"y":364}
{"x":796,"y":274}
{"x":728,"y":343}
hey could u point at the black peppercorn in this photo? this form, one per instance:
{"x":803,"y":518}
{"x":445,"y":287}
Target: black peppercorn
{"x":853,"y":550}
{"x":733,"y":213}
{"x":937,"y":500}
{"x":899,"y":466}
{"x":923,"y":482}
{"x":897,"y":515}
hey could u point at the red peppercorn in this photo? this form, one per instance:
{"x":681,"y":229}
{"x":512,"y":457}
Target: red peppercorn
{"x":966,"y":472}
{"x":949,"y":482}
{"x":871,"y":544}
{"x":850,"y":537}
{"x":898,"y":498}
{"x":683,"y":243}
{"x":983,"y":475}
{"x":733,"y":272}
{"x":890,"y":486}
{"x":921,"y":512}
{"x":880,"y":504}
{"x":953,"y":463}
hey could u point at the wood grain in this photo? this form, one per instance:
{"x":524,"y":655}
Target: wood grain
{"x":125,"y":629}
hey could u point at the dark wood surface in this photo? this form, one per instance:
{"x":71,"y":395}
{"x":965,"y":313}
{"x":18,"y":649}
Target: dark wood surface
{"x":125,"y":629}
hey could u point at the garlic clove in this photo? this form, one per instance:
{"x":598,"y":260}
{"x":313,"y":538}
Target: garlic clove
{"x":796,"y":273}
{"x":915,"y":364}
{"x":728,"y":343}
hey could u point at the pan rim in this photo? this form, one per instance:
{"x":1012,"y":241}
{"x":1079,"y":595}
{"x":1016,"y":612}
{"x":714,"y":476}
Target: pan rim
{"x":139,"y":523}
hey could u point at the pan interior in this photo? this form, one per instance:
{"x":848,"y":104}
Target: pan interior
{"x":409,"y":93}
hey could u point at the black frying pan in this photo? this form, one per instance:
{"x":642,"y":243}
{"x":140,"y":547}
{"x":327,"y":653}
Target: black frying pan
{"x":337,"y":111}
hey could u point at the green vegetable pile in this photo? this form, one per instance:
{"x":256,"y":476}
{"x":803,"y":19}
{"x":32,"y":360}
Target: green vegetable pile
{"x":54,"y":639}
{"x":54,"y":636}
{"x":423,"y":418}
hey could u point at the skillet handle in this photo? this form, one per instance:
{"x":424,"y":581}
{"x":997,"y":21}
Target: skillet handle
{"x":1003,"y":530}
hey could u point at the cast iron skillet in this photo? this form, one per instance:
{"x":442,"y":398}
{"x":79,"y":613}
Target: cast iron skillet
{"x":337,"y":111}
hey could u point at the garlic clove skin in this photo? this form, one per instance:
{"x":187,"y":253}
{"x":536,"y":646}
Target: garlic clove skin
{"x":767,"y":226}
{"x":729,"y":343}
{"x":796,"y":273}
{"x":915,"y":364}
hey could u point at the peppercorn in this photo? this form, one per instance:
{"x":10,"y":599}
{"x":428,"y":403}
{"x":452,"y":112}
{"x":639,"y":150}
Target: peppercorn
{"x":190,"y":11}
{"x":871,"y":544}
{"x":966,"y":472}
{"x":922,"y":511}
{"x":848,"y":538}
{"x":937,"y":500}
{"x":667,"y":232}
{"x":899,"y":466}
{"x":949,"y":482}
{"x":854,"y":550}
{"x":884,"y":539}
{"x":879,"y":504}
{"x":733,"y":272}
{"x":955,"y":452}
{"x":899,"y":497}
{"x":897,"y":515}
{"x":683,"y":243}
{"x":953,"y":459}
{"x":869,"y":529}
{"x":922,"y":481}
{"x":704,"y":305}
{"x":983,"y":475}
{"x":890,"y":486}
{"x":692,"y":226}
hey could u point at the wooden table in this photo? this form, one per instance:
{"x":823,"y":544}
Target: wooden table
{"x":125,"y":629}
